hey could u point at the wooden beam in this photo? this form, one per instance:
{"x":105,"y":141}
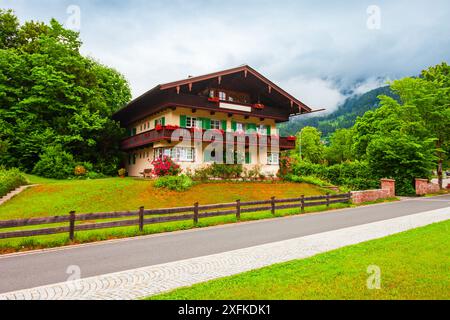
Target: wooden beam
{"x":220,"y":80}
{"x":270,"y":89}
{"x":190,"y":87}
{"x":194,"y":110}
{"x":212,"y":113}
{"x":178,"y":89}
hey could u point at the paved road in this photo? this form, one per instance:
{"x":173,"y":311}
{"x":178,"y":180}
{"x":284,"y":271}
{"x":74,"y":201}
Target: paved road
{"x":38,"y":269}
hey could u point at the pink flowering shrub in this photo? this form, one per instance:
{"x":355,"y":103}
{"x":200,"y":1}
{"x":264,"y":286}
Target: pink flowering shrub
{"x":165,"y":167}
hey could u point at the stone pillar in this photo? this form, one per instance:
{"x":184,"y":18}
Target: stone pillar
{"x":389,"y":185}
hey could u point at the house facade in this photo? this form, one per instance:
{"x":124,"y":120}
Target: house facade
{"x":237,"y":109}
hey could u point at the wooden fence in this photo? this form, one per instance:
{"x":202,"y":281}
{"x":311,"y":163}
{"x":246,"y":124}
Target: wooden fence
{"x":144,"y":217}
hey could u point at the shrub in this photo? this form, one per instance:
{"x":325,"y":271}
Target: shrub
{"x":176,"y":183}
{"x":218,"y":171}
{"x":122,"y":172}
{"x":79,"y":171}
{"x":10,"y":180}
{"x":355,"y":175}
{"x":165,"y":167}
{"x":55,"y":163}
{"x":308,"y":179}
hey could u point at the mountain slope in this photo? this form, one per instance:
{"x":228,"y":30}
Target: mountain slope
{"x":344,"y":117}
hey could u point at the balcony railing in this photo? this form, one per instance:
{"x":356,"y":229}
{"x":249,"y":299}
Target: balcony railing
{"x":152,"y":136}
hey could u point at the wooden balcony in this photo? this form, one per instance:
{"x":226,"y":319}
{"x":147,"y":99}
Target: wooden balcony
{"x":148,"y":138}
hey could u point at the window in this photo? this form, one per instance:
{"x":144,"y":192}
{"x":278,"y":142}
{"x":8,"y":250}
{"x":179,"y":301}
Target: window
{"x":273,"y":158}
{"x":261,"y":129}
{"x":176,"y":154}
{"x":193,"y":122}
{"x":222,"y":95}
{"x":216,"y":124}
{"x":211,"y":93}
{"x":159,"y":122}
{"x":239,"y":127}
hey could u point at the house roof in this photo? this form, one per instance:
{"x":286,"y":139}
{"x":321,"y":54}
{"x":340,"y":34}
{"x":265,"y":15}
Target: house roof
{"x":288,"y":100}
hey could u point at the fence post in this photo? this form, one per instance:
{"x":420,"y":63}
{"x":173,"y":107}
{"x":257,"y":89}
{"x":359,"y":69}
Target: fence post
{"x":238,"y":210}
{"x":273,"y":205}
{"x":196,"y":213}
{"x":328,"y":200}
{"x":72,"y":226}
{"x":303,"y":203}
{"x":141,"y":219}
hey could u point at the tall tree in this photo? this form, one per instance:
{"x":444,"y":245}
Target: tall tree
{"x":309,"y":145}
{"x":340,"y":148}
{"x":50,"y":95}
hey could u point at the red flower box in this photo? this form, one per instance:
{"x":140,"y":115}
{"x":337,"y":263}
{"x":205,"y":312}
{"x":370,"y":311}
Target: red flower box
{"x":291,"y":138}
{"x":259,"y":106}
{"x":214,"y":99}
{"x":170,"y":127}
{"x":158,"y":127}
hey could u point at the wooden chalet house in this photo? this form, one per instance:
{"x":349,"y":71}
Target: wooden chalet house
{"x":234,"y":100}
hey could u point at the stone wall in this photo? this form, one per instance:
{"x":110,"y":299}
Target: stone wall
{"x":423,"y":187}
{"x":387,"y":191}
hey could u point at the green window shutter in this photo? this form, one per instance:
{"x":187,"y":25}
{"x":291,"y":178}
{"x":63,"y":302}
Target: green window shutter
{"x":233,"y":126}
{"x":156,"y":123}
{"x":224,"y":125}
{"x":269,"y":129}
{"x":183,"y":121}
{"x":164,"y":121}
{"x":206,"y":123}
{"x":247,"y":158}
{"x":251,"y":127}
{"x":134,"y":131}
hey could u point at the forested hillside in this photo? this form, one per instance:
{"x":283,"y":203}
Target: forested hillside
{"x":344,"y":117}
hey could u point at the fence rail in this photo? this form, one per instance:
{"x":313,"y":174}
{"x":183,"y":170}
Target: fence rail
{"x":194,"y":213}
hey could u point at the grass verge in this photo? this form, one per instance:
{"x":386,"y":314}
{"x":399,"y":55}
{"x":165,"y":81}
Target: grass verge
{"x":414,"y":265}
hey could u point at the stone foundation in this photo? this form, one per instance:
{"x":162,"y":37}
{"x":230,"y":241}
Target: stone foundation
{"x":423,"y":187}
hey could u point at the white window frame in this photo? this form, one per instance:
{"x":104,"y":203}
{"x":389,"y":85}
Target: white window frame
{"x":222,"y":96}
{"x":261,"y":129}
{"x":273,"y":158}
{"x":193,"y":122}
{"x":240,"y":127}
{"x":216,"y":124}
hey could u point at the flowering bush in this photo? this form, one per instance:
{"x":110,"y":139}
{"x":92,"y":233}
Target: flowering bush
{"x":285,"y":166}
{"x":165,"y":167}
{"x":79,"y":171}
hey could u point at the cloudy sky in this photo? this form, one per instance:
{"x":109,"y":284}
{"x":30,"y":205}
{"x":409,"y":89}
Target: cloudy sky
{"x":320,"y":52}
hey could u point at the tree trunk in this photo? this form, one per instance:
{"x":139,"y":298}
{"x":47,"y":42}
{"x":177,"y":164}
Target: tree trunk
{"x":440,"y":174}
{"x":440,"y":166}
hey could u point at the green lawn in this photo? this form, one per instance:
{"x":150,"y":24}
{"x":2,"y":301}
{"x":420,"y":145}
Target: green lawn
{"x":54,"y":197}
{"x":414,"y":265}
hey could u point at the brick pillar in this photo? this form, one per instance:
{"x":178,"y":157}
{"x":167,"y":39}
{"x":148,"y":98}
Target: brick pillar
{"x":422,"y":187}
{"x":389,"y":185}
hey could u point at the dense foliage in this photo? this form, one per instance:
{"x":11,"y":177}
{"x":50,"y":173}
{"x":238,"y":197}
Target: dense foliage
{"x":175,"y":183}
{"x":354,"y":175}
{"x":218,"y":171}
{"x":10,"y":180}
{"x":52,"y":99}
